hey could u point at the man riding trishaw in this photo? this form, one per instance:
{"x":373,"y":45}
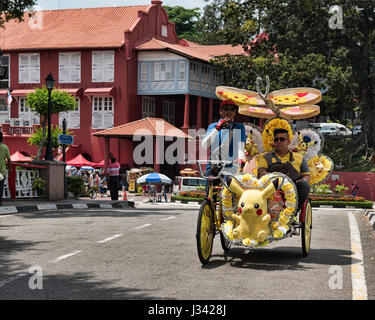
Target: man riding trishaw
{"x":268,"y":201}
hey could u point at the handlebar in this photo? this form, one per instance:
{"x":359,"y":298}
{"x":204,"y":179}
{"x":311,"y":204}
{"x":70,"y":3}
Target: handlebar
{"x":217,"y":172}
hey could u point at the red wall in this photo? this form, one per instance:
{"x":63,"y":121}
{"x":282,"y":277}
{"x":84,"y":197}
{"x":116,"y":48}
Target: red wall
{"x":365,"y":181}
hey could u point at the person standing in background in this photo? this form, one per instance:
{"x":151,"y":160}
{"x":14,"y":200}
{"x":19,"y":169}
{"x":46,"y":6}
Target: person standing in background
{"x":113,"y":172}
{"x":4,"y":156}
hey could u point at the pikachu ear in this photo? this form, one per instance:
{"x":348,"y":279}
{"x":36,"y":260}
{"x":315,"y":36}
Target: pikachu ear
{"x":271,"y":188}
{"x":234,"y":186}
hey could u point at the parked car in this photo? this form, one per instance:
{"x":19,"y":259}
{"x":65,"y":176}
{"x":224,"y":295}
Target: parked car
{"x":357,"y":130}
{"x":188,"y":184}
{"x":335,"y":129}
{"x":329,"y":130}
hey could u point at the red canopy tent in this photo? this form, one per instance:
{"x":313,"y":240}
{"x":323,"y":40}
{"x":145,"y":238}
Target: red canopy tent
{"x":99,"y":164}
{"x":79,"y":161}
{"x":19,"y":157}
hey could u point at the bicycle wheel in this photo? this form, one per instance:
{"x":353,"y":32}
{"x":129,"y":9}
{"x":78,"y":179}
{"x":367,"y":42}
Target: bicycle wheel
{"x":205,"y":232}
{"x":92,"y":194}
{"x":306,"y":230}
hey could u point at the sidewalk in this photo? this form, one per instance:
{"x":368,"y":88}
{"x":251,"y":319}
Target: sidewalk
{"x":10,"y":206}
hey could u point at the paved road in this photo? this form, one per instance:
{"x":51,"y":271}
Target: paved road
{"x":150,"y":253}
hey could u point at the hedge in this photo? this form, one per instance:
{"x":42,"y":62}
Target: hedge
{"x":343,"y":204}
{"x":188,"y":199}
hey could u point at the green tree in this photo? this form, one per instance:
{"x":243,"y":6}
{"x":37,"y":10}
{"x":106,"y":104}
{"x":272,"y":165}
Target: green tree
{"x":309,"y":47}
{"x":14,"y":9}
{"x":185,"y":21}
{"x":39,"y":137}
{"x":38,"y":101}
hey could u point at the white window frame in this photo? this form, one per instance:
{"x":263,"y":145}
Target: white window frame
{"x":163,"y":71}
{"x":7,"y":80}
{"x":148,"y":107}
{"x":143,"y":71}
{"x":26,"y":114}
{"x":103,"y":108}
{"x":164,"y":31}
{"x":169,"y":111}
{"x":100,"y":68}
{"x":69,"y":115}
{"x":29,"y":69}
{"x":181,"y":70}
{"x":72,"y":68}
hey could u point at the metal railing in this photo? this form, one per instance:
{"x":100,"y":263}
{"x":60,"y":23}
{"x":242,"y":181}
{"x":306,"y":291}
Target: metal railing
{"x":19,"y":184}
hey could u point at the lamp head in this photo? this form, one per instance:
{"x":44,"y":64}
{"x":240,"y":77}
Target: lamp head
{"x":50,"y":82}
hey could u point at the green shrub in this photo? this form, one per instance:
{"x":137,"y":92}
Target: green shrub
{"x":75,"y":185}
{"x":39,"y":185}
{"x":343,"y":204}
{"x":341,"y":189}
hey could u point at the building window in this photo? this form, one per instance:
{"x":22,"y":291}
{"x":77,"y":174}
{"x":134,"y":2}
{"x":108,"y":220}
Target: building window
{"x":162,"y":71}
{"x":26,"y":117}
{"x":194,"y":71}
{"x":181,"y":70}
{"x":29,"y":68}
{"x":164,"y":31}
{"x":206,"y":74}
{"x":102,"y":112}
{"x":103,"y":66}
{"x":148,"y":107}
{"x":72,"y":117}
{"x":4,"y":72}
{"x":70,"y":67}
{"x":169,"y":111}
{"x":143,"y":71}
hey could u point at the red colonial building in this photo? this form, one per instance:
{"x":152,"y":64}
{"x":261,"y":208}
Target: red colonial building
{"x":122,"y":64}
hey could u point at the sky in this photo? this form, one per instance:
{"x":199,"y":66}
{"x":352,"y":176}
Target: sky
{"x":66,"y":4}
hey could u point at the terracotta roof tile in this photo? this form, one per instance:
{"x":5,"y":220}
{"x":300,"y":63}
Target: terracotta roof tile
{"x":201,"y":52}
{"x":71,"y":28}
{"x":144,"y":127}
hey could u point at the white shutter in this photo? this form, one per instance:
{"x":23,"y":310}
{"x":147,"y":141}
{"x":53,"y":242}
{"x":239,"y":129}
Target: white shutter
{"x":143,"y":71}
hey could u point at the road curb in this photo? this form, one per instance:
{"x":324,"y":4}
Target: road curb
{"x":370,"y":214}
{"x":61,"y":206}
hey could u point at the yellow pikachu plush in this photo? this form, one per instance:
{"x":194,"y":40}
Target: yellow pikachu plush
{"x":303,"y":145}
{"x":252,"y":218}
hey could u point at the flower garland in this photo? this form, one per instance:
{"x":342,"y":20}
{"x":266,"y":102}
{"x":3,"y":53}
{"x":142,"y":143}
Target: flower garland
{"x":270,"y":126}
{"x":280,"y":227}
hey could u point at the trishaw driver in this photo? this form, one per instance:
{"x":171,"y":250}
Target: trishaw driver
{"x":226,"y":137}
{"x":290,"y":163}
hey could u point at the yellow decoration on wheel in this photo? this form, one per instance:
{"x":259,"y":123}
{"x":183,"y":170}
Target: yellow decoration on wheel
{"x":252,"y":224}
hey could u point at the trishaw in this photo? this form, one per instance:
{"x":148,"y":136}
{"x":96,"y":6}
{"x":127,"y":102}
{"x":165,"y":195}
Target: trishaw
{"x":249,"y":212}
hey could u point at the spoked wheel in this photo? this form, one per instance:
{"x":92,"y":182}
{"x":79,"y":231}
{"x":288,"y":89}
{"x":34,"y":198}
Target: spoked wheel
{"x":205,"y":232}
{"x":306,"y":230}
{"x":225,"y":243}
{"x":92,"y":194}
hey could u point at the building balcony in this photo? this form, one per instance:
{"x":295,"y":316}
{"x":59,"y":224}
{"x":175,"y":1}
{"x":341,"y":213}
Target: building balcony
{"x":10,"y":130}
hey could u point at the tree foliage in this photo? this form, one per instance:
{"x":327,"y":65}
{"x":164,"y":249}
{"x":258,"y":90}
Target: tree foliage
{"x":14,"y":9}
{"x":38,"y":101}
{"x":60,"y":101}
{"x":186,"y":22}
{"x":40,"y":137}
{"x":306,"y":46}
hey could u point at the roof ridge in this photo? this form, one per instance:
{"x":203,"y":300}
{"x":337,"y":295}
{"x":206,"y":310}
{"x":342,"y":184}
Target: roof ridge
{"x":104,"y":7}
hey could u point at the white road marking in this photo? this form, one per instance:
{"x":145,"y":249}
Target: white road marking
{"x":111,"y":238}
{"x":359,"y":287}
{"x":66,"y":256}
{"x":143,"y":226}
{"x":169,"y":218}
{"x":11,"y":279}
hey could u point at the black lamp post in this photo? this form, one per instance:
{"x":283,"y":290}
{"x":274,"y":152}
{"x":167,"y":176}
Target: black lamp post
{"x":50,"y":83}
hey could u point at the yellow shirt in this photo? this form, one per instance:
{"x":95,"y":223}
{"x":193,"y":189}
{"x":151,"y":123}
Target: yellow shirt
{"x":299,"y":163}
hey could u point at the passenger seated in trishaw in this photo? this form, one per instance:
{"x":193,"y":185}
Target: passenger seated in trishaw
{"x":260,"y":203}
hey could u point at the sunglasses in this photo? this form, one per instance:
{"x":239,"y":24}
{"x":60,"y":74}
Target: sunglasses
{"x":281,"y":139}
{"x":228,"y":109}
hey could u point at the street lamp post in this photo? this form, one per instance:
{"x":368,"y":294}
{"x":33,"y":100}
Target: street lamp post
{"x":50,"y":83}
